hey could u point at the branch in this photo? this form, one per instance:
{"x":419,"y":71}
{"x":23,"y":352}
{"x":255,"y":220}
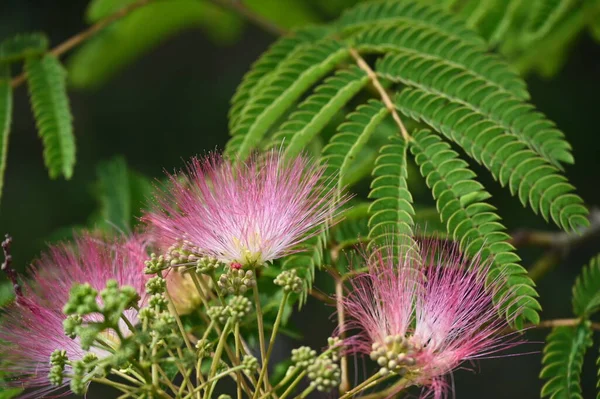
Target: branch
{"x":362,"y":64}
{"x":7,"y":266}
{"x":79,"y":38}
{"x":556,"y":323}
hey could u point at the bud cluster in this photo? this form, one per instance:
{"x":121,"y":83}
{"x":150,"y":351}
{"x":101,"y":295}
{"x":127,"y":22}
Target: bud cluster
{"x":289,"y":280}
{"x":324,"y":374}
{"x":236,"y":281}
{"x":394,"y":355}
{"x":303,"y":356}
{"x":239,"y":306}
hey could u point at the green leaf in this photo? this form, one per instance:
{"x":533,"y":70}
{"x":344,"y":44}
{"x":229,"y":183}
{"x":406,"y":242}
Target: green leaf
{"x":544,"y":16}
{"x":48,"y":94}
{"x":476,"y":87}
{"x":9,"y":393}
{"x":390,"y":13}
{"x":97,"y":60}
{"x":345,"y":147}
{"x":258,"y":75}
{"x":7,"y":293}
{"x":5,"y":119}
{"x":289,"y":81}
{"x":318,"y":109}
{"x":22,"y":46}
{"x":121,"y":193}
{"x":473,"y":223}
{"x":391,"y":222}
{"x":563,"y":361}
{"x":586,"y":291}
{"x":511,"y":162}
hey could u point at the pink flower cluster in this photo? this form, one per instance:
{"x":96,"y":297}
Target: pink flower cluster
{"x":422,"y":318}
{"x":32,"y":327}
{"x":246,"y":213}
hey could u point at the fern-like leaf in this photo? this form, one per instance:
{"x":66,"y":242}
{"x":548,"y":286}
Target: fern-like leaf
{"x":473,"y":223}
{"x":510,"y":161}
{"x":266,"y":64}
{"x":563,"y":361}
{"x":346,"y":145}
{"x":386,"y":12}
{"x":121,"y":193}
{"x":48,"y":93}
{"x":465,"y":87}
{"x":5,"y":118}
{"x":23,"y":46}
{"x":317,"y":110}
{"x":586,"y":291}
{"x":289,"y":82}
{"x":307,"y":262}
{"x":391,"y":222}
{"x":544,"y":16}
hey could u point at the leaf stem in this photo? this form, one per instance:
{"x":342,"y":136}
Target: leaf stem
{"x":261,"y":333}
{"x":79,"y":38}
{"x":265,"y":362}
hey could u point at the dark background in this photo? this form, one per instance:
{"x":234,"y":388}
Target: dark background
{"x":172,"y":103}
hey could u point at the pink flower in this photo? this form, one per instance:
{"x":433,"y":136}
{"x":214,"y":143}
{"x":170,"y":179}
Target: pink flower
{"x":423,"y":319}
{"x":32,"y":327}
{"x":248,"y":213}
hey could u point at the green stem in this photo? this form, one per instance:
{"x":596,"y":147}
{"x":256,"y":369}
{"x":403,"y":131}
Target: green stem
{"x":261,"y":332}
{"x":237,"y":355}
{"x":369,"y":382}
{"x":218,"y":352}
{"x":292,"y":386}
{"x":213,"y":379}
{"x":265,"y":363}
{"x":305,"y":393}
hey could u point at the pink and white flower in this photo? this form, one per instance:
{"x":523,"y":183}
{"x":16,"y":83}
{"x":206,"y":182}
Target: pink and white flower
{"x":421,"y":319}
{"x":246,"y":213}
{"x":32,"y":327}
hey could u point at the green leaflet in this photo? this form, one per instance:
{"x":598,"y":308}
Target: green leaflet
{"x":386,"y":12}
{"x":473,"y":223}
{"x":586,"y":290}
{"x":461,"y":86}
{"x":391,"y":222}
{"x":291,"y":79}
{"x":46,"y":79}
{"x":443,"y":49}
{"x":544,"y":16}
{"x":527,"y":175}
{"x":5,"y":119}
{"x":563,"y":361}
{"x":21,"y":46}
{"x":281,"y":50}
{"x":307,"y":261}
{"x":345,"y":146}
{"x":97,"y":60}
{"x":317,"y":110}
{"x":120,"y":192}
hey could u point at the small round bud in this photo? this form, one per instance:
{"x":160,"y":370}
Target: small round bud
{"x":239,"y":306}
{"x":303,"y":356}
{"x":156,"y":285}
{"x":289,"y":281}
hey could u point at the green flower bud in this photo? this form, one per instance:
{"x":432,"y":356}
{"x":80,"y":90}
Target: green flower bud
{"x":303,"y":356}
{"x":289,"y":280}
{"x":206,"y":265}
{"x":82,"y":300}
{"x":71,"y":324}
{"x":218,"y":313}
{"x":239,"y":306}
{"x":236,"y":281}
{"x":250,"y":364}
{"x":324,"y":374}
{"x":156,"y":285}
{"x":155,"y":264}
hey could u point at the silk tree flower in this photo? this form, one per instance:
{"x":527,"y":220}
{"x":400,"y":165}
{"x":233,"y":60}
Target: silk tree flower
{"x":32,"y":327}
{"x":423,"y":319}
{"x":246,"y":213}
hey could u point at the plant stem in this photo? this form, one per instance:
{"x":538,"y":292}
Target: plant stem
{"x":388,"y":392}
{"x":261,"y":331}
{"x":374,"y":379}
{"x":265,"y":363}
{"x":213,"y":379}
{"x":237,"y":355}
{"x":292,"y":386}
{"x":79,"y":38}
{"x":339,"y":296}
{"x":218,"y":352}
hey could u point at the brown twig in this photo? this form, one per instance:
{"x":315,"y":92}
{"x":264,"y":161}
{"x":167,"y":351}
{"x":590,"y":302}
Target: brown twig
{"x":556,"y":323}
{"x":7,"y":266}
{"x":76,"y":40}
{"x":385,"y":97}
